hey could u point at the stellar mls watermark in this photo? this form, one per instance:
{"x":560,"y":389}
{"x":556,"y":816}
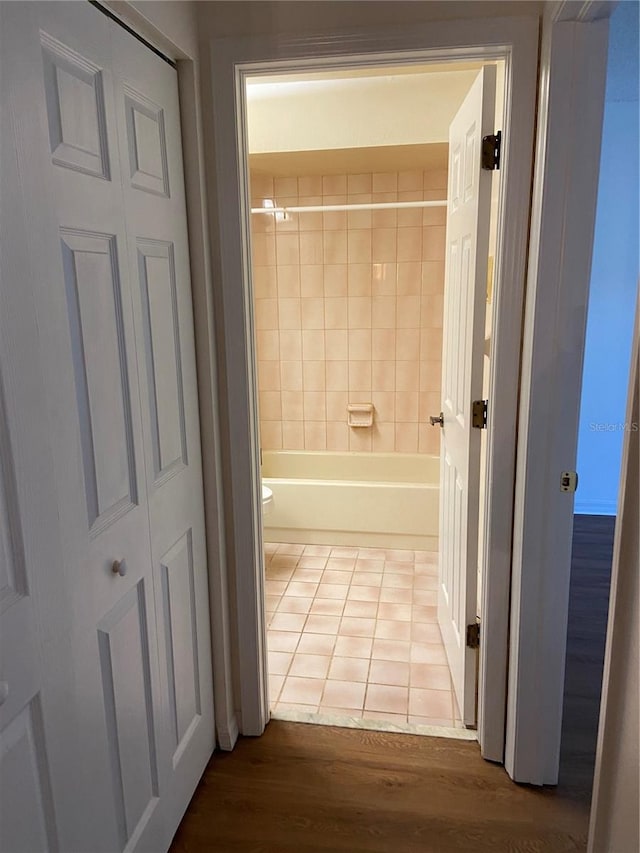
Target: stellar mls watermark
{"x":619,"y":426}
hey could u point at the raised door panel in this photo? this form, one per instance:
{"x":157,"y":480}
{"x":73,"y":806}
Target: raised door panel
{"x":178,"y":592}
{"x":146,"y":144}
{"x":163,"y":358}
{"x":75,"y":109}
{"x":126,"y":677}
{"x":99,"y":354}
{"x":27,"y":823}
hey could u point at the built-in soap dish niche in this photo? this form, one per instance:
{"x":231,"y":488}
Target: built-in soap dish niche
{"x":360,"y":414}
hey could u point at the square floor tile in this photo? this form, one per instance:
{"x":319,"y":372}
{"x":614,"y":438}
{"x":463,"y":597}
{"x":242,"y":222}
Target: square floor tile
{"x":349,"y":669}
{"x":343,"y":694}
{"x":279,"y":662}
{"x":430,"y":675}
{"x":288,"y":621}
{"x":355,"y":647}
{"x":275,"y":686}
{"x":335,"y":576}
{"x":271,"y":602}
{"x":379,"y":554}
{"x":393,"y":595}
{"x":274,"y":587}
{"x":316,"y":644}
{"x":391,"y":650}
{"x":293,"y":604}
{"x":283,"y":561}
{"x":389,"y":672}
{"x":363,"y":565}
{"x":391,"y":568}
{"x":381,"y":697}
{"x":430,"y":703}
{"x":364,"y":609}
{"x":310,"y":666}
{"x":311,"y":563}
{"x":317,"y":550}
{"x":280,"y":573}
{"x":286,"y":548}
{"x":400,"y":556}
{"x":322,"y":624}
{"x":306,"y":575}
{"x":364,"y":593}
{"x":398,"y":581}
{"x":305,"y":690}
{"x":302,"y":589}
{"x":353,"y":626}
{"x":327,"y":607}
{"x":341,"y":564}
{"x":343,"y":553}
{"x":394,"y":612}
{"x":425,"y":632}
{"x":424,"y":613}
{"x":366,"y":579}
{"x":428,"y":653}
{"x":332,"y":590}
{"x":282,"y":641}
{"x":423,"y":582}
{"x":388,"y":630}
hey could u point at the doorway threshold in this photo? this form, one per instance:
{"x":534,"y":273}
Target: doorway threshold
{"x":346,"y":722}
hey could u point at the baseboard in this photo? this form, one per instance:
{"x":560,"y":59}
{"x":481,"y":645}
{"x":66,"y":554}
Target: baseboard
{"x":595,"y":507}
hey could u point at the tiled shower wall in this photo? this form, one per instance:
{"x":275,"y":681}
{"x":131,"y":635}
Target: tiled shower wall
{"x":348,"y":309}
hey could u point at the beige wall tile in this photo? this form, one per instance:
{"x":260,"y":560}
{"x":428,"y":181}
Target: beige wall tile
{"x":408,"y":312}
{"x":313,"y":345}
{"x":359,"y":279}
{"x":359,"y":312}
{"x":335,"y":280}
{"x":292,"y":406}
{"x":383,"y":344}
{"x":315,"y":436}
{"x":336,"y":345}
{"x":336,"y":312}
{"x":406,"y":406}
{"x":287,"y":249}
{"x":359,"y":218}
{"x":360,"y":377}
{"x":311,"y":247}
{"x":383,"y":312}
{"x":433,"y":277}
{"x":290,"y":345}
{"x":268,"y":345}
{"x":293,"y":435}
{"x":263,"y":249}
{"x":315,"y":406}
{"x":291,"y":375}
{"x":288,"y":280}
{"x":312,"y":312}
{"x":335,"y":246}
{"x":337,"y":435}
{"x":409,"y":278}
{"x":289,"y":313}
{"x":359,"y":246}
{"x":337,"y":406}
{"x":435,"y":179}
{"x":334,"y":184}
{"x":334,"y":220}
{"x":384,"y":437}
{"x":359,"y":184}
{"x":270,"y":405}
{"x":384,"y":182}
{"x":261,"y":185}
{"x":407,"y":375}
{"x":383,"y":375}
{"x":311,"y":280}
{"x":433,"y":243}
{"x":409,"y":244}
{"x":286,"y":186}
{"x":384,"y":245}
{"x":385,"y":406}
{"x":310,"y":185}
{"x":313,"y":376}
{"x":360,"y":440}
{"x":407,"y":437}
{"x":289,"y":223}
{"x":265,"y":285}
{"x":408,"y":345}
{"x":269,"y":375}
{"x":384,"y":279}
{"x":337,"y":375}
{"x":266,"y":314}
{"x":360,"y":345}
{"x":271,"y":435}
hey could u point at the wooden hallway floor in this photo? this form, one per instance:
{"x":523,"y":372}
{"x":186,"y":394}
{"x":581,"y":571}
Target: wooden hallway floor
{"x":315,"y":789}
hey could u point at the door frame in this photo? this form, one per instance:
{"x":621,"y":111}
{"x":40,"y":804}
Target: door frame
{"x":513,"y":39}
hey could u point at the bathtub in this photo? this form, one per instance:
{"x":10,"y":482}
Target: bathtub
{"x":386,"y":500}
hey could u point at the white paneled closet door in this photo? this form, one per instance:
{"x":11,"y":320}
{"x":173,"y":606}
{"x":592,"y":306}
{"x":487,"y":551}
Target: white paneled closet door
{"x":113,"y":726}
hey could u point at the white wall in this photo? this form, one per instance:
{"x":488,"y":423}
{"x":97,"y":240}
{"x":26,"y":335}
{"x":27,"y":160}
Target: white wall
{"x":615,"y":822}
{"x":614,"y":276}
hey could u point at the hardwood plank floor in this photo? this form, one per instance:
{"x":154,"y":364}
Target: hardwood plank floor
{"x":315,"y":789}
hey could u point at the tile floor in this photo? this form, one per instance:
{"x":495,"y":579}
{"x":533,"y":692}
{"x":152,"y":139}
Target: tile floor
{"x":353,"y":632}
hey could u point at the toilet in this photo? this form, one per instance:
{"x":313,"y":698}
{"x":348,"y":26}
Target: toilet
{"x":267,"y":499}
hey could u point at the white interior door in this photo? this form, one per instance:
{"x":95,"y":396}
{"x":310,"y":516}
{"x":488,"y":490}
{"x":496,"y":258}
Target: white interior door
{"x":120,"y":700}
{"x":468,"y":211}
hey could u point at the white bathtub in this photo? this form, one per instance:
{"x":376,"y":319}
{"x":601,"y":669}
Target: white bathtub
{"x":387,"y":500}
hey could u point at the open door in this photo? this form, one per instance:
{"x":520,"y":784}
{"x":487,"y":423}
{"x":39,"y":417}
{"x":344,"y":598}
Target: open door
{"x":464,"y":315}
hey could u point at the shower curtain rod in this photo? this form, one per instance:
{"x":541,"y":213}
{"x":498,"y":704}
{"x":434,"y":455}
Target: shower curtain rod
{"x":319,"y":208}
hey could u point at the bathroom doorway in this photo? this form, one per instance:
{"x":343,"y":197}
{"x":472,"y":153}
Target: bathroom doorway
{"x":348,"y":228}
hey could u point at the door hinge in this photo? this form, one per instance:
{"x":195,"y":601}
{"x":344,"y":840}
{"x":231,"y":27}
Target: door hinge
{"x":479,"y":414}
{"x":473,"y":635}
{"x":491,"y":146}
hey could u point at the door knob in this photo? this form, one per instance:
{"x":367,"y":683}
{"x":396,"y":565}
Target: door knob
{"x":437,"y":420}
{"x":119,"y":567}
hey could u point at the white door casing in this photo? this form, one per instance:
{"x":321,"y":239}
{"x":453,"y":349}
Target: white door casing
{"x":125,"y":706}
{"x":467,"y":245}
